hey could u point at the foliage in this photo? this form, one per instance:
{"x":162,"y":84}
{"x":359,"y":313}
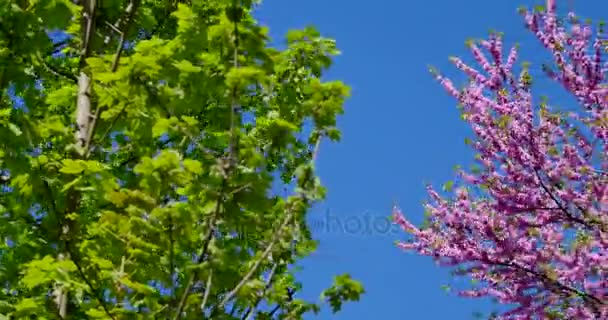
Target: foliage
{"x":529,"y":224}
{"x":140,"y":144}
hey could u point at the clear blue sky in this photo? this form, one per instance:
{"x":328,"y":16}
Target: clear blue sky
{"x":400,"y":130}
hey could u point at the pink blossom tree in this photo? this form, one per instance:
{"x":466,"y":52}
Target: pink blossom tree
{"x":530,"y":224}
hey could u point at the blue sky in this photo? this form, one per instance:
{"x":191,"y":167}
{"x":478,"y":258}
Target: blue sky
{"x":400,"y":130}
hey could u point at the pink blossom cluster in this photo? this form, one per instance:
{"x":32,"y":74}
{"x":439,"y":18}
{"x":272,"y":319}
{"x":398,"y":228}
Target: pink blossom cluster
{"x":530,"y":225}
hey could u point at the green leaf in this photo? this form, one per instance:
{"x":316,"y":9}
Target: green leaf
{"x":26,"y":306}
{"x":237,"y":77}
{"x":161,"y":127}
{"x":193,"y":166}
{"x":185,"y":18}
{"x":73,"y":167}
{"x":343,"y":289}
{"x":186,"y":66}
{"x":70,"y":184}
{"x":97,"y":313}
{"x":448,"y":186}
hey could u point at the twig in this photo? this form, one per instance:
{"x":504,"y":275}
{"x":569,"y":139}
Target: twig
{"x":58,"y":45}
{"x":274,"y":310}
{"x":113,"y":27}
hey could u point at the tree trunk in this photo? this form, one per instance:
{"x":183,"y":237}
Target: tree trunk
{"x":83,"y":122}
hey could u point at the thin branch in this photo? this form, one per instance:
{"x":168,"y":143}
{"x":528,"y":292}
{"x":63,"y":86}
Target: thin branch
{"x":129,"y":12}
{"x":256,"y":265}
{"x":83,"y":109}
{"x":172,"y":261}
{"x":207,"y":290}
{"x":113,"y":27}
{"x":94,"y":291}
{"x":232,"y":310}
{"x":274,"y":310}
{"x":559,"y":204}
{"x":58,"y":45}
{"x":251,"y":310}
{"x":55,"y":71}
{"x":90,"y":8}
{"x":290,"y":293}
{"x":109,"y":129}
{"x":202,"y":253}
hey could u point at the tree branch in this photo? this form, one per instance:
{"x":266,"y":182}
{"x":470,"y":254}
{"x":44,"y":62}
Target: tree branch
{"x":258,"y":262}
{"x":207,"y":290}
{"x":554,"y":283}
{"x":232,"y":159}
{"x":559,"y":204}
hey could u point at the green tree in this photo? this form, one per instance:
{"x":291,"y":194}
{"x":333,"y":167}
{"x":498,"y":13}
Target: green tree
{"x":141,"y":140}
